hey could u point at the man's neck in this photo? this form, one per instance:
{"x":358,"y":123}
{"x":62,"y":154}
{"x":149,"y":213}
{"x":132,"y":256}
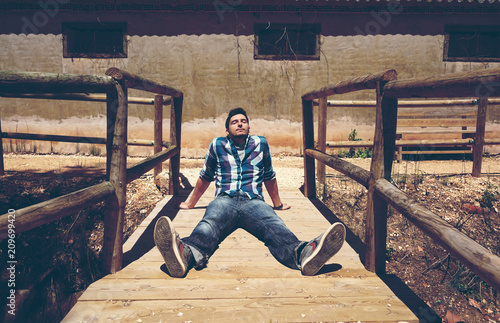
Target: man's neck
{"x":239,"y":142}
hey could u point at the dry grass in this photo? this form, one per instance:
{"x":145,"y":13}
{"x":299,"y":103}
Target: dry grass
{"x":436,"y":277}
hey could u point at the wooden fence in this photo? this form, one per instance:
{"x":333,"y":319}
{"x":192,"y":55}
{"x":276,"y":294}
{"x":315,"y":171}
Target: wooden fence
{"x":448,"y":126}
{"x":381,"y":192}
{"x":112,"y":89}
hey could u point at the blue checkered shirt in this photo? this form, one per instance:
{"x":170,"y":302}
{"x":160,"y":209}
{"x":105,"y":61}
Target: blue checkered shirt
{"x":223,"y":164}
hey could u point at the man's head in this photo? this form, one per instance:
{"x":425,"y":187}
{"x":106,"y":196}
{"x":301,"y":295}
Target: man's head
{"x":234,"y":112}
{"x":237,"y":125}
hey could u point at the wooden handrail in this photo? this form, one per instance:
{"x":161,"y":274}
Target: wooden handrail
{"x":356,"y":84}
{"x":477,"y":153}
{"x":158,"y":136}
{"x":112,"y":248}
{"x":35,"y":215}
{"x":492,"y":141}
{"x":483,"y":83}
{"x":37,"y":82}
{"x":140,"y":83}
{"x":149,"y":163}
{"x":477,"y":258}
{"x":78,"y":97}
{"x":357,"y":173}
{"x":404,"y":143}
{"x":409,"y":103}
{"x":115,"y":85}
{"x":61,"y":138}
{"x":86,"y":140}
{"x":480,"y":84}
{"x":175,"y":139}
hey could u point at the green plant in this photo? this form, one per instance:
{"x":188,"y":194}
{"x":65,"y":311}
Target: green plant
{"x":344,"y":153}
{"x":352,"y":135}
{"x":353,"y":152}
{"x":464,"y":280}
{"x":418,"y":179}
{"x":363,"y":153}
{"x":402,"y":179}
{"x":490,"y":195}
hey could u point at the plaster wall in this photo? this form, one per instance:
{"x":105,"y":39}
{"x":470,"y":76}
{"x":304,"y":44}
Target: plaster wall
{"x":216,"y":71}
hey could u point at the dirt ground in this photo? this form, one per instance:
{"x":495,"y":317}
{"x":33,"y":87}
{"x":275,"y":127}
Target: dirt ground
{"x":65,"y":257}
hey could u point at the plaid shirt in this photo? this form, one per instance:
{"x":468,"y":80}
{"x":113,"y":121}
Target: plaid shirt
{"x":223,"y":164}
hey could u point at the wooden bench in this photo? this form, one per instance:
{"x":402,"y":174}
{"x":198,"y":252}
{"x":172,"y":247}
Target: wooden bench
{"x":426,"y":130}
{"x":427,"y":126}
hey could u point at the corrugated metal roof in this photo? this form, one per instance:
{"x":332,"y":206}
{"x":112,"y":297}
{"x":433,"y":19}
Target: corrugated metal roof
{"x":232,"y":3}
{"x":227,"y":2}
{"x":421,"y":6}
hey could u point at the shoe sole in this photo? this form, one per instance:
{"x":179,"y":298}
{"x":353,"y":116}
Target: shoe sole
{"x":165,"y":240}
{"x":330,"y":243}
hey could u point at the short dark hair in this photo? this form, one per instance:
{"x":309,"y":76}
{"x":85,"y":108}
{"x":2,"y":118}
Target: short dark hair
{"x":234,"y":112}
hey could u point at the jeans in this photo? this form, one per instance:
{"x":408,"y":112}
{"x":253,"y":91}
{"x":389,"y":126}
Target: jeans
{"x":225,"y":214}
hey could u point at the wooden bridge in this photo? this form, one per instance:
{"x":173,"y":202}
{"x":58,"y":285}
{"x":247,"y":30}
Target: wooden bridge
{"x":243,"y":282}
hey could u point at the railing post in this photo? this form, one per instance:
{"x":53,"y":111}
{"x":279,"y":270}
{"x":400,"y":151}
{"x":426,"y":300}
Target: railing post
{"x":322,"y":120}
{"x":390,"y":122}
{"x":381,"y":166}
{"x":308,"y":143}
{"x":115,"y":206}
{"x":158,"y":137}
{"x":477,"y":149}
{"x":111,"y":109}
{"x":175,"y":139}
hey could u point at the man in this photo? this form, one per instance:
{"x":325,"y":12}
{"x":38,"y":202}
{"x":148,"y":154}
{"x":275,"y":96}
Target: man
{"x":239,"y":164}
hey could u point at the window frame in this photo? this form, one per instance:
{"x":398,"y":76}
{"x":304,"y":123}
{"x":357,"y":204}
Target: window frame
{"x":94,"y":27}
{"x":464,"y":29}
{"x":314,"y":28}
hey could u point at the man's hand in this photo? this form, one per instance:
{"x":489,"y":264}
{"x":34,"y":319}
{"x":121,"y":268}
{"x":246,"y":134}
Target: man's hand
{"x":200,"y":188}
{"x":282,"y":207}
{"x":185,"y":206}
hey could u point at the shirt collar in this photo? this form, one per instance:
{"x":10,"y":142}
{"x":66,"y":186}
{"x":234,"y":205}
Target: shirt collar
{"x":233,"y":144}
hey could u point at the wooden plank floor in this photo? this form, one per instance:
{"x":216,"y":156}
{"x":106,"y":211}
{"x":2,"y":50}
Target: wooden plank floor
{"x":242,"y":282}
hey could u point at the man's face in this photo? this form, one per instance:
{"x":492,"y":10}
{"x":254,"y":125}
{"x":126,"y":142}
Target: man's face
{"x":238,"y":126}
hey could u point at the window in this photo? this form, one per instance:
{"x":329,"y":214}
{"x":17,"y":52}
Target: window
{"x":95,"y":40}
{"x":472,"y":43}
{"x":287,"y":41}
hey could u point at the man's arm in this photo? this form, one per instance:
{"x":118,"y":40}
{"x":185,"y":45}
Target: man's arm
{"x":200,"y":188}
{"x":272,"y":189}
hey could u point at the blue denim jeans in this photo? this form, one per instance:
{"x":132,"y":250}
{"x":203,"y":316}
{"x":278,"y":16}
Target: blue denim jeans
{"x":225,"y":214}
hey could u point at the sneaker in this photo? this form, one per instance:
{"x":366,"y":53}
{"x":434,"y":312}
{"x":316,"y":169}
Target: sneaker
{"x":175,"y":254}
{"x":317,"y":252}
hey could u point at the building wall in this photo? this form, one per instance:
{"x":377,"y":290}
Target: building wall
{"x":211,"y":60}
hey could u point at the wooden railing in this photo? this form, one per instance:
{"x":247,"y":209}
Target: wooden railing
{"x":381,"y":192}
{"x":115,"y":87}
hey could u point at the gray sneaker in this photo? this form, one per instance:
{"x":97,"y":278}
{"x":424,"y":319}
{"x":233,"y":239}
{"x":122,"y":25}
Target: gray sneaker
{"x":176,"y":255}
{"x":318,"y":251}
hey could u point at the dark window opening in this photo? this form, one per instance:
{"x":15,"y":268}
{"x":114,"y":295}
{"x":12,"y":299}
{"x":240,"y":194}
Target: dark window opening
{"x":95,"y":40}
{"x":472,"y":43}
{"x":287,"y":41}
